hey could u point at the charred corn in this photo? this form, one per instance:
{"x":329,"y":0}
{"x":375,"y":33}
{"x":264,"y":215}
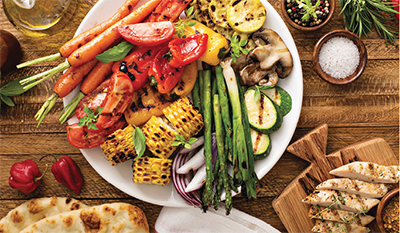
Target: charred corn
{"x":152,"y":171}
{"x":118,"y":146}
{"x":159,"y":137}
{"x":184,"y":118}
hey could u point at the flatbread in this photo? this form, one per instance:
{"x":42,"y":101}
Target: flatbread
{"x":115,"y":217}
{"x":35,"y":210}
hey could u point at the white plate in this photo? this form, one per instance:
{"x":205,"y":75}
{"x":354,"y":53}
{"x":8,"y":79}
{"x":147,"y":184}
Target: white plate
{"x":121,"y":175}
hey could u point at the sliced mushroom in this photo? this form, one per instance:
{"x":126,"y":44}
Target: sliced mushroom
{"x":271,"y":52}
{"x":253,"y":74}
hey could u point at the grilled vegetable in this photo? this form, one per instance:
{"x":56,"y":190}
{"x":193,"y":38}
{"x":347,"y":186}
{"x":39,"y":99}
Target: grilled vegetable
{"x":264,"y":115}
{"x":187,"y":81}
{"x":261,"y":144}
{"x":217,"y":12}
{"x":246,"y":16}
{"x":152,"y":171}
{"x":185,"y":119}
{"x":159,"y":137}
{"x":118,"y":146}
{"x":281,"y":98}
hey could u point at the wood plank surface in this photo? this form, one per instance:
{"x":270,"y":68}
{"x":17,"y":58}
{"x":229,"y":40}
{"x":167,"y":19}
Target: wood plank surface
{"x":365,"y":109}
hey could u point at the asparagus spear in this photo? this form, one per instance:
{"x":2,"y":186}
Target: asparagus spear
{"x":239,"y":142}
{"x":208,"y":192}
{"x":196,"y":94}
{"x":224,"y":103}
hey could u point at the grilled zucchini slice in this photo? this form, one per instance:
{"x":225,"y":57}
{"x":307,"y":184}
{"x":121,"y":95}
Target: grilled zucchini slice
{"x":261,"y":144}
{"x":217,"y":11}
{"x":246,"y":16}
{"x":264,"y":115}
{"x":281,"y":98}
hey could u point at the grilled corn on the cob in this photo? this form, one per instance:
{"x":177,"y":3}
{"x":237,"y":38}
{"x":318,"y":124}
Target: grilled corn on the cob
{"x":152,"y":171}
{"x":118,"y":146}
{"x":184,"y":118}
{"x":159,"y":137}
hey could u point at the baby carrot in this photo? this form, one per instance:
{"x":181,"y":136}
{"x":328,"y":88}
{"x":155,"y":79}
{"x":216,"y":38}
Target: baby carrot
{"x":100,"y":43}
{"x":86,"y":36}
{"x":96,"y":76}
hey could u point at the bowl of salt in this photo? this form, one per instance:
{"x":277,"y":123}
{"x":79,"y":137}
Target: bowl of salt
{"x":339,"y":57}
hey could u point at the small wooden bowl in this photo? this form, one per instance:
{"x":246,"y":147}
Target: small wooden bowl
{"x":332,"y":5}
{"x":382,"y":204}
{"x":361,"y":48}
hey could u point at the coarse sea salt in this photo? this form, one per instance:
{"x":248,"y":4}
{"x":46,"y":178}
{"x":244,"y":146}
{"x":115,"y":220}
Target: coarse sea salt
{"x":339,"y":57}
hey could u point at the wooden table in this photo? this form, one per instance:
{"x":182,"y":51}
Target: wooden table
{"x":365,"y":109}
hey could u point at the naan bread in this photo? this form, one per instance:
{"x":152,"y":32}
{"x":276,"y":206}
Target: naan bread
{"x":115,"y":217}
{"x":35,"y":210}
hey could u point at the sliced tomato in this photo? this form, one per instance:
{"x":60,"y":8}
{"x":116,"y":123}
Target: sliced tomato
{"x":82,"y":138}
{"x":119,"y":95}
{"x":93,"y":100}
{"x":165,"y":75}
{"x":147,"y":34}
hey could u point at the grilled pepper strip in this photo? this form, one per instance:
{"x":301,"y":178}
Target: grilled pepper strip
{"x":25,"y":176}
{"x":187,"y":50}
{"x":67,"y":172}
{"x":165,"y":75}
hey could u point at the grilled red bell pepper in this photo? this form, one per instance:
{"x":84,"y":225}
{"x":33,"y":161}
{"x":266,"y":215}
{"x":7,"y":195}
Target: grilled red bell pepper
{"x":67,"y":172}
{"x":25,"y":176}
{"x":187,"y":50}
{"x":165,"y":75}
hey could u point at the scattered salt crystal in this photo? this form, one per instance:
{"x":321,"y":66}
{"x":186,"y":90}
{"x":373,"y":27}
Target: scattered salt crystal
{"x":339,"y":57}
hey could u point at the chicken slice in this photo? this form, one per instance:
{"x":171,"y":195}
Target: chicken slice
{"x":370,"y":172}
{"x":362,"y":188}
{"x":327,"y":226}
{"x":339,"y":216}
{"x":341,"y":200}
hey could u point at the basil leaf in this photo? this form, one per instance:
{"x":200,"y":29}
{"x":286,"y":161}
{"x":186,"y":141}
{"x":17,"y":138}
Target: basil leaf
{"x":13,"y":88}
{"x":176,"y":143}
{"x":139,"y":142}
{"x":191,"y":23}
{"x":116,"y":53}
{"x":257,"y":94}
{"x":7,"y":100}
{"x":188,"y":146}
{"x":192,"y":140}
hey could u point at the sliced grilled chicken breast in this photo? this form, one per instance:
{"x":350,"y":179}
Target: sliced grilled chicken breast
{"x":370,"y":172}
{"x":327,"y":226}
{"x":339,"y":216}
{"x":346,"y":201}
{"x":362,"y":188}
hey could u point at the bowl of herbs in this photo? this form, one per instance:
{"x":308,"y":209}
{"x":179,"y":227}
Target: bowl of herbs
{"x":307,"y":15}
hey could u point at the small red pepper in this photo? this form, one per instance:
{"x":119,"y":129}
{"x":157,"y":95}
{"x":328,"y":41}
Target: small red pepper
{"x":165,"y":75}
{"x":25,"y":176}
{"x":396,"y":7}
{"x":187,"y":50}
{"x":67,"y":172}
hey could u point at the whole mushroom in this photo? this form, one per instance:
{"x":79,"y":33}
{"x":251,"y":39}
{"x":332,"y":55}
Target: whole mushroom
{"x":268,"y":62}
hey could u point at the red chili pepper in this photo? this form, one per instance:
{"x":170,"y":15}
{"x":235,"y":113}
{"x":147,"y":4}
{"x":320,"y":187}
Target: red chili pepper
{"x":25,"y":176}
{"x":67,"y":172}
{"x":396,"y":7}
{"x":165,"y":75}
{"x":187,"y":50}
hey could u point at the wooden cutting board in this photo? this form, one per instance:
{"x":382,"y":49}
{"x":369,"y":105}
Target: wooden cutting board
{"x":312,"y":147}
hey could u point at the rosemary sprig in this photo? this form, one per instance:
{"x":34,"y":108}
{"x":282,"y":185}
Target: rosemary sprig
{"x":360,"y":15}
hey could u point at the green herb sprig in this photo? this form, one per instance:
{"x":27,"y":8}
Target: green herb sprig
{"x":182,"y":22}
{"x":308,"y":9}
{"x":360,"y":15}
{"x":139,"y":142}
{"x":90,"y":118}
{"x":180,"y":141}
{"x":237,"y":48}
{"x":115,"y":53}
{"x":12,"y":88}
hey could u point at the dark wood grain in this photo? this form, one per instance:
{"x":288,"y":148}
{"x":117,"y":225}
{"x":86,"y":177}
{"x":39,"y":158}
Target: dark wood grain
{"x":365,"y":109}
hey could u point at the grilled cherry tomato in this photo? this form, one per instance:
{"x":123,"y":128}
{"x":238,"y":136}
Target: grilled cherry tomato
{"x":165,"y":75}
{"x":187,"y":50}
{"x":147,"y":34}
{"x":82,"y":138}
{"x":93,"y":100}
{"x":119,"y":95}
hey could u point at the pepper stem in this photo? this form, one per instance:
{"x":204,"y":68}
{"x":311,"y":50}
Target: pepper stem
{"x":48,"y":156}
{"x":36,"y":179}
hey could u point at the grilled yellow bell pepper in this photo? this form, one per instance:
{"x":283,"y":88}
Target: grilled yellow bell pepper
{"x":215,"y":43}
